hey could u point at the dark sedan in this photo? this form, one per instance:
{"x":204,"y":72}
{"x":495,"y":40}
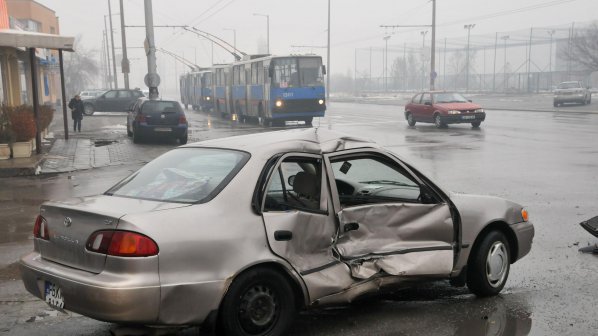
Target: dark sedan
{"x":443,"y":108}
{"x":111,"y":101}
{"x":157,"y":119}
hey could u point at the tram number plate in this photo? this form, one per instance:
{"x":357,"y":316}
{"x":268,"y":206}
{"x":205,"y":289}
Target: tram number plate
{"x":54,"y":295}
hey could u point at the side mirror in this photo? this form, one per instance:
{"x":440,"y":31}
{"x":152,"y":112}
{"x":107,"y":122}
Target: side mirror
{"x":291,"y":180}
{"x":323,"y":69}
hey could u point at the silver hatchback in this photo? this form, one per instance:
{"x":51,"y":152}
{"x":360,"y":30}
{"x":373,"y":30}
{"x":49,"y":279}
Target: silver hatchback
{"x":244,"y":231}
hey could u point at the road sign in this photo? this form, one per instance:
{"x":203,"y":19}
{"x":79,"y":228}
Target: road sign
{"x":152,"y":80}
{"x":433,"y":74}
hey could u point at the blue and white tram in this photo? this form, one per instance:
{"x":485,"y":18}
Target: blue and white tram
{"x":279,"y":88}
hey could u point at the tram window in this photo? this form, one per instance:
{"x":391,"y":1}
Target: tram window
{"x":259,"y":73}
{"x":311,"y":71}
{"x":254,"y":73}
{"x":285,"y":72}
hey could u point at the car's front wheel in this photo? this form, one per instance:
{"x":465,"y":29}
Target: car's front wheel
{"x":258,"y":302}
{"x":88,"y":109}
{"x":438,"y":121}
{"x":489,"y":265}
{"x":183,"y":139}
{"x":476,"y":124}
{"x":410,"y":120}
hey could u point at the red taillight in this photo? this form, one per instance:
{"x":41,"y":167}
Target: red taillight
{"x":122,"y":244}
{"x":40,"y":229}
{"x":140,"y":118}
{"x":182,"y":119}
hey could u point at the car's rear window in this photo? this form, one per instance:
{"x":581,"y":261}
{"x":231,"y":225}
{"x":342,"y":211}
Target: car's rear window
{"x":183,"y":175}
{"x":152,"y":106}
{"x":569,"y":85}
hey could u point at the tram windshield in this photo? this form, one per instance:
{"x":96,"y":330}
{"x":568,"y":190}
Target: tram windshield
{"x":297,"y":71}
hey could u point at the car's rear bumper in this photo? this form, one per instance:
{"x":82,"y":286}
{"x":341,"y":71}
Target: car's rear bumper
{"x":115,"y":297}
{"x":463,"y":119}
{"x":127,"y":294}
{"x":161,"y":131}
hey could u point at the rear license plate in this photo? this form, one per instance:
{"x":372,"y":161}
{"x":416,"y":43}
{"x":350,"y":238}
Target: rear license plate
{"x":54,"y":295}
{"x":467,"y":117}
{"x":162,"y":129}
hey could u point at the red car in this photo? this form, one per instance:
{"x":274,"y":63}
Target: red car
{"x":443,"y":108}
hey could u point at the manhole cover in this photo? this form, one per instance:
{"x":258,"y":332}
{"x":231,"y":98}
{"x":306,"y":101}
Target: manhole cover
{"x":100,"y":143}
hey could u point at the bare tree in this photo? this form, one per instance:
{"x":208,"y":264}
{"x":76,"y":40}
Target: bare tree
{"x":583,"y":48}
{"x":81,"y":69}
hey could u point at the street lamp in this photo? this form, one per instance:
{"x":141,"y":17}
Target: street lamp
{"x":267,"y":30}
{"x":386,"y":38}
{"x":423,"y":33}
{"x":468,"y":27}
{"x":234,"y":37}
{"x":505,"y":38}
{"x":550,"y":32}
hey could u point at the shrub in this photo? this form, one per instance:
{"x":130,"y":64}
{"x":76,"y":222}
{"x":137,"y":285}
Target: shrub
{"x":22,"y":121}
{"x":6,"y":133}
{"x":46,"y":114}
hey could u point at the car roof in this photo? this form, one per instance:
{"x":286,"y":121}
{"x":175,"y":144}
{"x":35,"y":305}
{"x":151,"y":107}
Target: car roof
{"x":307,"y":140}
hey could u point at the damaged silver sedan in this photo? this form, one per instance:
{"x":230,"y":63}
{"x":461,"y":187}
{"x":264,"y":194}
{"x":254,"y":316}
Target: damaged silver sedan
{"x":243,"y":232}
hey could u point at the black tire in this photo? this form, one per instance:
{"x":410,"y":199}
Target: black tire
{"x":88,"y":109}
{"x":183,"y":139}
{"x":129,"y":133}
{"x":489,"y":265}
{"x":136,"y":137}
{"x":259,"y":302}
{"x":410,"y":120}
{"x":476,"y":124}
{"x":555,"y":104}
{"x":438,"y":121}
{"x":589,"y":99}
{"x":308,"y":121}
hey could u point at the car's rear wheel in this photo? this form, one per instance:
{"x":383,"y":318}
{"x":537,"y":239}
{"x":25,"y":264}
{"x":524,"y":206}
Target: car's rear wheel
{"x":183,"y":139}
{"x":438,"y":121}
{"x":129,"y":133}
{"x":410,"y":119}
{"x":476,"y":124}
{"x":88,"y":109}
{"x":136,"y":137}
{"x":555,"y":104}
{"x":258,"y":302}
{"x":489,"y":265}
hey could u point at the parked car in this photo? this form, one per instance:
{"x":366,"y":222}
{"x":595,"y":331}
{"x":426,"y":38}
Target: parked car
{"x":443,"y":108}
{"x":243,"y":231}
{"x":90,"y":93}
{"x":572,"y":92}
{"x":111,"y":101}
{"x":157,"y":118}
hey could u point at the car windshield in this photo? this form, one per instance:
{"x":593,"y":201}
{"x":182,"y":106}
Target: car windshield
{"x":158,"y":106}
{"x":449,"y":97}
{"x":569,"y":85}
{"x":184,"y":175}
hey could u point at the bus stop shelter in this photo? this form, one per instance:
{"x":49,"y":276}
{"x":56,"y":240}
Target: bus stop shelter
{"x":30,"y":41}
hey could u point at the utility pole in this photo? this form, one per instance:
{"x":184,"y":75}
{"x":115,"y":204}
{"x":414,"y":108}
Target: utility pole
{"x":423,"y":33}
{"x":370,"y":81}
{"x":112,"y":39}
{"x":267,"y":30}
{"x":444,"y":66}
{"x":355,"y":74}
{"x":494,"y":72}
{"x":386,"y":63}
{"x":529,"y":61}
{"x":433,"y":73}
{"x":125,"y":62}
{"x":107,"y":53}
{"x":505,"y":38}
{"x":152,"y":79}
{"x":550,"y":32}
{"x":468,"y":27}
{"x":406,"y":82}
{"x":328,"y":60}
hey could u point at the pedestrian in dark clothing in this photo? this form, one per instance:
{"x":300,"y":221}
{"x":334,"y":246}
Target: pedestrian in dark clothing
{"x":76,"y":106}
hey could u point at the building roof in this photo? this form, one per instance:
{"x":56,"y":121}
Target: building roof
{"x":24,"y":39}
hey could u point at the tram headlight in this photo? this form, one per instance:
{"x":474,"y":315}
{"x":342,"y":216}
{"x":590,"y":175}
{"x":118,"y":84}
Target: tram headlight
{"x":207,"y":98}
{"x":278,"y":103}
{"x":321,"y":101}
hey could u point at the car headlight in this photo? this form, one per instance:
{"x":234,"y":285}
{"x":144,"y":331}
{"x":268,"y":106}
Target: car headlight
{"x":207,"y":98}
{"x":479,"y":111}
{"x":454,"y":112}
{"x":524,"y":215}
{"x":321,"y":101}
{"x":278,"y":103}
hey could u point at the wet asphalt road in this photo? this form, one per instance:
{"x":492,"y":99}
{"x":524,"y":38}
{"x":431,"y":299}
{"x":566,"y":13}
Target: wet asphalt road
{"x":547,"y":161}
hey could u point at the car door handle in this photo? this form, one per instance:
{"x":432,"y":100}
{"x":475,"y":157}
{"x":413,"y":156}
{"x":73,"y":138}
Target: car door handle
{"x":283,"y":235}
{"x":350,"y":227}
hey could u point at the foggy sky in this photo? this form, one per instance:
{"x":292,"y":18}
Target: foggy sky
{"x":354,"y":24}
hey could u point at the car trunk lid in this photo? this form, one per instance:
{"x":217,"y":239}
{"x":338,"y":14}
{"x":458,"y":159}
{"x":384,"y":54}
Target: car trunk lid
{"x":72,"y":222}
